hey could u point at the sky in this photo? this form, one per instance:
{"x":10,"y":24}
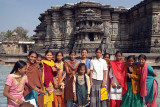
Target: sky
{"x":25,"y":13}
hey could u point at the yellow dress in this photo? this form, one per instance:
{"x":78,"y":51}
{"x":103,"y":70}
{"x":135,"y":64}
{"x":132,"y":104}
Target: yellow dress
{"x":48,"y":98}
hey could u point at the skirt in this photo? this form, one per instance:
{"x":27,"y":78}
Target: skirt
{"x":131,"y":100}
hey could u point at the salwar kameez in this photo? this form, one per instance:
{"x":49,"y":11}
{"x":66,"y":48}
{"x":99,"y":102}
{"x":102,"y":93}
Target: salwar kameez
{"x":47,"y":78}
{"x":152,"y":87}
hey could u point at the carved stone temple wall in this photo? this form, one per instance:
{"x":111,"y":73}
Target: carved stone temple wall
{"x":91,"y":25}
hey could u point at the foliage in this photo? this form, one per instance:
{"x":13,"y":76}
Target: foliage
{"x":8,"y":34}
{"x":21,"y":32}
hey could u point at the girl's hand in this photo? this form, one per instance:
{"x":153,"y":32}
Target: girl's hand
{"x":119,"y":86}
{"x":103,"y":84}
{"x":128,"y":74}
{"x":75,"y":98}
{"x":88,"y":98}
{"x":91,"y":84}
{"x":130,"y":69}
{"x":54,"y":69}
{"x":113,"y":85}
{"x":56,"y":86}
{"x":42,"y":92}
{"x":20,"y":102}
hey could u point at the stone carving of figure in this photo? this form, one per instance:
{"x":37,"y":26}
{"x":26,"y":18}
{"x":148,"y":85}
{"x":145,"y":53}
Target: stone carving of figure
{"x":55,"y":29}
{"x":68,"y":27}
{"x":155,"y":23}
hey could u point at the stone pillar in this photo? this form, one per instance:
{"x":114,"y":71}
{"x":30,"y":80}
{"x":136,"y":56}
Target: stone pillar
{"x":87,"y":24}
{"x":86,"y":36}
{"x":95,"y":37}
{"x":48,"y":31}
{"x":93,"y":24}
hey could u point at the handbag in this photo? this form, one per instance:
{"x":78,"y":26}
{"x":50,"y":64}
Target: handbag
{"x":26,"y":104}
{"x":32,"y":97}
{"x":103,"y":94}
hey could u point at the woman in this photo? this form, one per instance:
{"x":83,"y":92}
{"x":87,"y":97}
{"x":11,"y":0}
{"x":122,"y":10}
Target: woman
{"x":97,"y":78}
{"x":132,"y":97}
{"x":149,"y":86}
{"x":85,"y":60}
{"x":34,"y":78}
{"x":117,"y":76}
{"x":58,"y":90}
{"x":49,"y":72}
{"x":71,"y":66}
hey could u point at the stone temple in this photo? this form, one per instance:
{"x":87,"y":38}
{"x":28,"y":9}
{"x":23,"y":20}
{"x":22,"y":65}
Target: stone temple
{"x":90,"y":25}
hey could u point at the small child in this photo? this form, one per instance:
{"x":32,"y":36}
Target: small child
{"x":81,"y":86}
{"x":39,"y":59}
{"x":14,"y":86}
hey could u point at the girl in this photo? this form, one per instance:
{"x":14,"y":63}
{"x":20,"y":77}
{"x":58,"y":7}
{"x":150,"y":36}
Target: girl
{"x":71,"y":66}
{"x":81,"y":86}
{"x":49,"y":71}
{"x":14,"y":85}
{"x":84,"y":59}
{"x":132,"y":97}
{"x":38,"y":61}
{"x":39,"y":58}
{"x":117,"y":76}
{"x":58,"y":90}
{"x":106,"y":57}
{"x":98,"y":78}
{"x":149,"y":86}
{"x":34,"y":78}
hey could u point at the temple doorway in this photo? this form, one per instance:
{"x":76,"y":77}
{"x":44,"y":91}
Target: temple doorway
{"x":91,"y":36}
{"x":25,"y":48}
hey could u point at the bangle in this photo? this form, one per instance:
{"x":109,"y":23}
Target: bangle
{"x":16,"y":100}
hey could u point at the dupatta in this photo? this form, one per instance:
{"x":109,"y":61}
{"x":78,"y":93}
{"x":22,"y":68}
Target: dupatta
{"x":143,"y":86}
{"x":119,"y":70}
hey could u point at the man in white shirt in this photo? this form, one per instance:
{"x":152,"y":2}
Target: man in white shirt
{"x":98,"y":70}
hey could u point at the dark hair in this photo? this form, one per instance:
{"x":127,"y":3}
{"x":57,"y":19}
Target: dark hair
{"x":118,"y":52}
{"x":84,"y":49}
{"x":48,"y":51}
{"x":106,"y":54}
{"x":19,"y":64}
{"x":57,"y":54}
{"x":31,"y":52}
{"x":39,"y":55}
{"x":72,"y":51}
{"x":81,"y":65}
{"x":143,"y":56}
{"x":98,"y":49}
{"x":131,"y":56}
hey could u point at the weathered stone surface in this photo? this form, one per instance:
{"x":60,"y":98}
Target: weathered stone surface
{"x":91,"y":25}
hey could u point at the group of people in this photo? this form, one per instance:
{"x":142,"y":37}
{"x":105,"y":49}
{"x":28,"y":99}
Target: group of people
{"x":77,"y":82}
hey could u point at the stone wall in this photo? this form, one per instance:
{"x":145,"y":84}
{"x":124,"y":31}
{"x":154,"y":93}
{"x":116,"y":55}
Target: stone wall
{"x":133,"y":30}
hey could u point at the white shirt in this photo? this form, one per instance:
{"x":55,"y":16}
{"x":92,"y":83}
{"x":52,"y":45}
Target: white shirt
{"x":98,"y":66}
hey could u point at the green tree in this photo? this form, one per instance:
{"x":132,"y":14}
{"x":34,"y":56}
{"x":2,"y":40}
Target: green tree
{"x":21,"y":32}
{"x":8,"y":34}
